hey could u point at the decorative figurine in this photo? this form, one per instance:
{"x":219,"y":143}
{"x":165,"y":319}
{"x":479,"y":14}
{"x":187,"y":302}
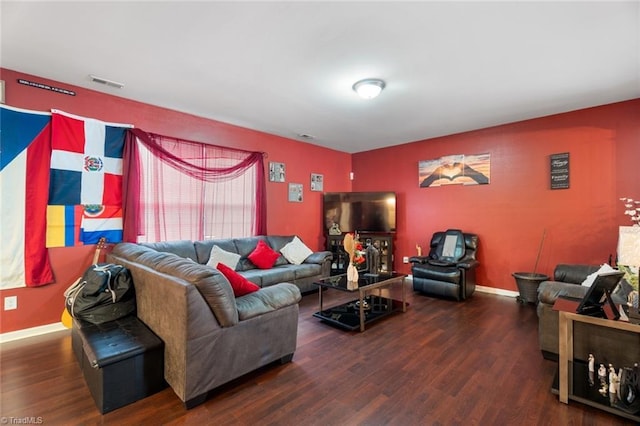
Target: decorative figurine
{"x":602,"y":372}
{"x":612,"y":379}
{"x":592,"y":362}
{"x":373,"y":256}
{"x":613,"y":384}
{"x":335,"y":229}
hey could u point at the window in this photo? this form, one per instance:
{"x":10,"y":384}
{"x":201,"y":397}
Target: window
{"x":195,"y":191}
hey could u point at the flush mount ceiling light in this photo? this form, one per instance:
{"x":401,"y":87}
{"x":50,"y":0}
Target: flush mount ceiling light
{"x":369,"y":88}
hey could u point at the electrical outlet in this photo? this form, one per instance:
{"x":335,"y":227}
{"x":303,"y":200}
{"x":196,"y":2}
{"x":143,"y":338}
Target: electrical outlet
{"x":10,"y":303}
{"x":405,"y":259}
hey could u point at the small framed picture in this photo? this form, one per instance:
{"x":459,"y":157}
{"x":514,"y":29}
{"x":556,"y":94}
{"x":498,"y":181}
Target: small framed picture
{"x":276,"y":172}
{"x":295,"y":192}
{"x":316,"y":182}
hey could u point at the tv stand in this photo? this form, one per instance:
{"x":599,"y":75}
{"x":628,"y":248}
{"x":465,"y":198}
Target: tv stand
{"x":381,"y":241}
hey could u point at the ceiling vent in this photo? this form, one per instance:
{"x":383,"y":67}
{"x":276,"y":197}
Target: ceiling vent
{"x":106,"y":82}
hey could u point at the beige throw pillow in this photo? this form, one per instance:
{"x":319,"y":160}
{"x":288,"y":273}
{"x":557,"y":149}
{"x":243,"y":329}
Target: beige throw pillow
{"x":221,"y":256}
{"x":296,"y":251}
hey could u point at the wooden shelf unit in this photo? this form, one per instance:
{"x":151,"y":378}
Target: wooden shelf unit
{"x":567,"y":375}
{"x":382,"y":242}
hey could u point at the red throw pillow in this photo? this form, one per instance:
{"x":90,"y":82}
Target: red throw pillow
{"x":263,"y":256}
{"x":240,"y":284}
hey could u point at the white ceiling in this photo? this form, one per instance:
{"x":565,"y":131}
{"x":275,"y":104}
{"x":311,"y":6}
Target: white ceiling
{"x":287,"y":68}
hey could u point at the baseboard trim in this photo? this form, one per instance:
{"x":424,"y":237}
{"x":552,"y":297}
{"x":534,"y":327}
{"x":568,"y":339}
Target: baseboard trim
{"x":490,"y":290}
{"x":497,"y":291}
{"x":31,"y":332}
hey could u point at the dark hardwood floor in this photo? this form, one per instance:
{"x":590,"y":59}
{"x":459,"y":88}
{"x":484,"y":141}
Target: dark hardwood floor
{"x":440,"y":363}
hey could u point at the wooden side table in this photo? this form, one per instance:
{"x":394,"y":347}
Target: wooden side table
{"x":566,"y":318}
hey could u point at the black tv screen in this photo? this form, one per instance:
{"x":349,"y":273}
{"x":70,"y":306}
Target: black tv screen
{"x":360,"y":211}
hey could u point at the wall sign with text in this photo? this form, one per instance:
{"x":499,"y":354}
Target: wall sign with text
{"x":559,"y":168}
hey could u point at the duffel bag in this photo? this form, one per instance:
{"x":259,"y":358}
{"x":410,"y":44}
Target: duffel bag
{"x":104,"y":293}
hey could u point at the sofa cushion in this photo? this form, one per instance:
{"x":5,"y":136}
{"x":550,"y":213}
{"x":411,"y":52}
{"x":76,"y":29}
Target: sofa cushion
{"x":240,"y":284}
{"x":572,"y":273}
{"x":296,"y":251}
{"x":276,"y":242}
{"x":245,"y":246}
{"x":182,"y":248}
{"x":254,"y":275}
{"x":604,"y":268}
{"x":227,"y":258}
{"x":277,"y":274}
{"x":263,"y":256}
{"x":306,"y":270}
{"x":266,"y":300}
{"x":203,"y":248}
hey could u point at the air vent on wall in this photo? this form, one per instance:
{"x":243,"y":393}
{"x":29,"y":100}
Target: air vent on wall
{"x":105,"y":81}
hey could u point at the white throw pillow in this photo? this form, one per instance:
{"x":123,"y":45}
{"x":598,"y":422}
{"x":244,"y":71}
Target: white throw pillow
{"x":296,"y":251}
{"x":225,"y":257}
{"x":592,"y":277}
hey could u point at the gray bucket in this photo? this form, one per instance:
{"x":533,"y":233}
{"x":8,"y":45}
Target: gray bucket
{"x":528,"y":283}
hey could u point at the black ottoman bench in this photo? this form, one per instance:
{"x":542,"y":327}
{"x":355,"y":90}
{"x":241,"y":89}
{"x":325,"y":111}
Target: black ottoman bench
{"x":122,"y":361}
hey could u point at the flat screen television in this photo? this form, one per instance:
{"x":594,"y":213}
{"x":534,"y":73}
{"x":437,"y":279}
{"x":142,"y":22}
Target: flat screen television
{"x":366,"y":212}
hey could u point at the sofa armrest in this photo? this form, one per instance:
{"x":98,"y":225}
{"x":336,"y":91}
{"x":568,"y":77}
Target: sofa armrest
{"x":319,"y":257}
{"x":468,"y":264}
{"x":267,"y":299}
{"x":419,"y":259}
{"x":549,"y":291}
{"x":213,"y":286}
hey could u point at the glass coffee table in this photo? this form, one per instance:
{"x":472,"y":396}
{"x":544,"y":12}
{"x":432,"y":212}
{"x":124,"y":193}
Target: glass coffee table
{"x":368,"y":307}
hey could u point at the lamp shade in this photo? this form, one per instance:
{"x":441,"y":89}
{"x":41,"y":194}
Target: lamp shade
{"x":368,"y":88}
{"x":629,"y":246}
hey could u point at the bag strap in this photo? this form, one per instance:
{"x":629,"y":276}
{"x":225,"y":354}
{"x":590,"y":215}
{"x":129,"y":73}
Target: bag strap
{"x":72,"y":289}
{"x":106,"y":268}
{"x":72,"y":292}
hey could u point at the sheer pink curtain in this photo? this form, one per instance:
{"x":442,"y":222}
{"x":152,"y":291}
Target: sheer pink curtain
{"x":191,"y":190}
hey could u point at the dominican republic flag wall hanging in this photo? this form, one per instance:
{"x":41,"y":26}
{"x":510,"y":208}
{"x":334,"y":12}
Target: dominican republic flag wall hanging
{"x":85,"y":186}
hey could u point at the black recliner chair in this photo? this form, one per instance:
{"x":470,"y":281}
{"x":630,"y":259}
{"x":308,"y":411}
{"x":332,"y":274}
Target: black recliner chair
{"x":449,"y":270}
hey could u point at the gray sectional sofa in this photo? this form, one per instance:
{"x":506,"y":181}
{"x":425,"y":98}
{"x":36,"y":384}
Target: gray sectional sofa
{"x":605,"y":343}
{"x":210,"y":336}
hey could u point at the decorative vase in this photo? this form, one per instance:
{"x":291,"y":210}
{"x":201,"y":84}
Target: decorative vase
{"x":352,"y":276}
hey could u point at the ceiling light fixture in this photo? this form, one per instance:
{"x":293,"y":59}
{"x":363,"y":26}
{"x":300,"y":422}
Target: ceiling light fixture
{"x":369,"y":88}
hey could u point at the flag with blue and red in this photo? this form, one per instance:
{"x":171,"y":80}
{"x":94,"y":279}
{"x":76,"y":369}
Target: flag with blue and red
{"x":86,"y":172}
{"x":25,"y":147}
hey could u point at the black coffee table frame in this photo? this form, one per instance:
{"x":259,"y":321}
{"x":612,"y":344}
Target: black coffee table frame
{"x":355,"y":314}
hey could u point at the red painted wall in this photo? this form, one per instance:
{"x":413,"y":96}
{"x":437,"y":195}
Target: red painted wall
{"x":512,"y":213}
{"x":40,"y":306}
